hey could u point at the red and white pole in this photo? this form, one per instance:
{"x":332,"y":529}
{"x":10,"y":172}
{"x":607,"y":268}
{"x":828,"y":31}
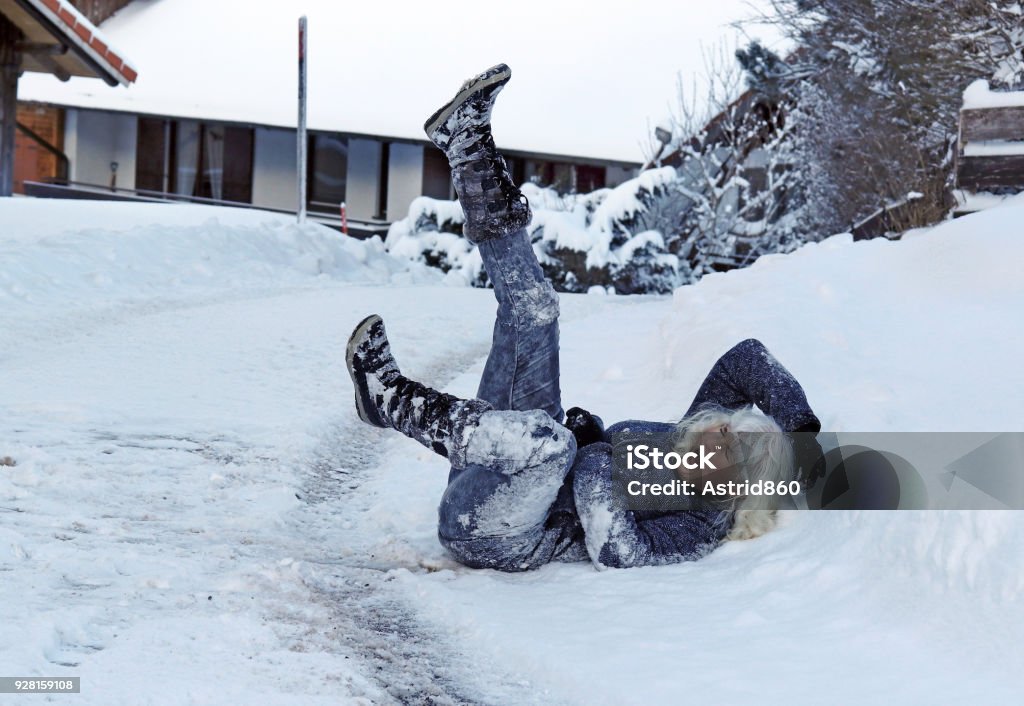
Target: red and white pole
{"x":344,"y":219}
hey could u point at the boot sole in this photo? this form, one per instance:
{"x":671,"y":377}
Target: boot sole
{"x":350,"y":353}
{"x":441,"y":116}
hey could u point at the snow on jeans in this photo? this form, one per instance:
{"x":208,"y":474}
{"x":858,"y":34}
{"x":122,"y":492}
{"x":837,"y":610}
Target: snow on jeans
{"x":509,"y":508}
{"x":500,"y":511}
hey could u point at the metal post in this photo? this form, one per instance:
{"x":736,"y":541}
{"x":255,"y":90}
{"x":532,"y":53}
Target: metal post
{"x":10,"y":59}
{"x":303,"y":144}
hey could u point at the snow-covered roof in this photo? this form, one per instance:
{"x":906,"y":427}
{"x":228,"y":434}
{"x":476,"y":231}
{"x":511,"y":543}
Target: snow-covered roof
{"x":589,"y":79}
{"x":54,"y":27}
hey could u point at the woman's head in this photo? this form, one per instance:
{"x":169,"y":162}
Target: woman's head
{"x":748,"y":447}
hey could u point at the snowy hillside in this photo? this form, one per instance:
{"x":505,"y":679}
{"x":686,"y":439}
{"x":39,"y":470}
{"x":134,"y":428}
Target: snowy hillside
{"x":197,"y":516}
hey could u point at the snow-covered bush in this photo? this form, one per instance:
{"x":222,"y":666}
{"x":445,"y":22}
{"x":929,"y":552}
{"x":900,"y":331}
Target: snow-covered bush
{"x":609,"y":238}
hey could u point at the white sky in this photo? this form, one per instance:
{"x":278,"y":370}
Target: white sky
{"x":588,"y":77}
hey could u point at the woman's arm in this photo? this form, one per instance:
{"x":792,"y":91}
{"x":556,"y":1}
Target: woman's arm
{"x":749,"y":374}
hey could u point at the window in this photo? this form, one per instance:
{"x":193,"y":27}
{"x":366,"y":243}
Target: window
{"x":589,"y":178}
{"x":328,"y":172}
{"x":563,"y":177}
{"x":151,"y":155}
{"x":194,"y":159}
{"x":437,"y":175}
{"x":558,"y":175}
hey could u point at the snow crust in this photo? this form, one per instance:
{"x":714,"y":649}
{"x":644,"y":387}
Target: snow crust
{"x":196,"y":515}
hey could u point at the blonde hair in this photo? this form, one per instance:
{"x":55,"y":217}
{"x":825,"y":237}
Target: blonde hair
{"x":767,"y":456}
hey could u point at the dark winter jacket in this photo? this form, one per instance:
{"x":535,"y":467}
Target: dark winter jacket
{"x":636,"y":537}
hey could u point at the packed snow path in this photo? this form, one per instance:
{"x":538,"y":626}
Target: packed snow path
{"x":196,"y":475}
{"x":196,"y":515}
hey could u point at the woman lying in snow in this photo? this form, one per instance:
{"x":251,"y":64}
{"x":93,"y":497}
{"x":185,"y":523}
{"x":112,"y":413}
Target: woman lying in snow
{"x":524,"y":489}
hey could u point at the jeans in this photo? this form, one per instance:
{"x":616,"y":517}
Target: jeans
{"x":521,"y":372}
{"x":510,"y":507}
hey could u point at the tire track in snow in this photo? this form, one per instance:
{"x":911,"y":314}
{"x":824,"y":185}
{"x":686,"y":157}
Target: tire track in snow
{"x":412,"y":662}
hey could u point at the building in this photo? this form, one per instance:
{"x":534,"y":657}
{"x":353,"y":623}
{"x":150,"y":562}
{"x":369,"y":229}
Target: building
{"x":167,"y":144}
{"x":48,"y":37}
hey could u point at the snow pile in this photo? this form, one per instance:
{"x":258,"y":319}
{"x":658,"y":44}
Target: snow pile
{"x":610,"y":238}
{"x":432,"y":234}
{"x":63,"y":256}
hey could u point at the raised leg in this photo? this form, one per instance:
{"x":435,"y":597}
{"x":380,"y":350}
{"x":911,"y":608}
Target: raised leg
{"x":522,"y":369}
{"x":508,"y":506}
{"x":747,"y":374}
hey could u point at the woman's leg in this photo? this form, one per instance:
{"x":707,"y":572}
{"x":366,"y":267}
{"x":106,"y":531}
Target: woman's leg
{"x":500,"y":508}
{"x":747,"y":374}
{"x":509,"y":508}
{"x":521,"y":520}
{"x":506,"y":505}
{"x":521,"y":372}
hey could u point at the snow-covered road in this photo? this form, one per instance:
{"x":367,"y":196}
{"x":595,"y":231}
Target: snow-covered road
{"x":197,"y":516}
{"x":189,"y":502}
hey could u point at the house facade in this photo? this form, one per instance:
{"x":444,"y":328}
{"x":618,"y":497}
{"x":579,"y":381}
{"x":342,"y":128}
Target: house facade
{"x":375,"y":176}
{"x":214,"y":118}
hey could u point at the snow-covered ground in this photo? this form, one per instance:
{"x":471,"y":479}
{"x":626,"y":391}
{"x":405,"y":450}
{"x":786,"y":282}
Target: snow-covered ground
{"x":197,"y":516}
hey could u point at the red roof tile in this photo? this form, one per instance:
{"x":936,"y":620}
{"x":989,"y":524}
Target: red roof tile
{"x":74,"y":24}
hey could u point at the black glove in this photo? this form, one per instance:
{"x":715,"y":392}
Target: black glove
{"x":586,"y":427}
{"x":808,"y":456}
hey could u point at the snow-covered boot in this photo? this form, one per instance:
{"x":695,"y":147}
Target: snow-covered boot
{"x":386,"y":398}
{"x":461,"y":128}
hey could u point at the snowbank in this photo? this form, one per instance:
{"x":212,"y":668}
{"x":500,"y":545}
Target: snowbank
{"x":63,"y":256}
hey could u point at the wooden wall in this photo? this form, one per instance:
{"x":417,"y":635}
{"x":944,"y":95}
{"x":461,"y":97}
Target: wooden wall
{"x":31,"y":161}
